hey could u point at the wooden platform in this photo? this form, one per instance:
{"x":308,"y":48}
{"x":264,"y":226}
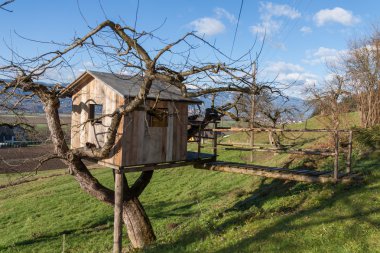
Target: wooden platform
{"x":193,"y":158}
{"x":308,"y":176}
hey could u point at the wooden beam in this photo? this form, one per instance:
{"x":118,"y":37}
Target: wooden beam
{"x":288,"y":151}
{"x":336,"y":160}
{"x":215,"y":141}
{"x":349,"y":153}
{"x":241,"y":169}
{"x":118,"y":212}
{"x":192,"y":160}
{"x":199,"y":141}
{"x":236,"y":129}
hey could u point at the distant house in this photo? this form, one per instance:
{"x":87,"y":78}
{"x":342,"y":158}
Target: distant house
{"x":10,"y":134}
{"x":142,"y":136}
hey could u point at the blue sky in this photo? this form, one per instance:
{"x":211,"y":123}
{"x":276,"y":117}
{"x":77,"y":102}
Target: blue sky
{"x":300,"y":35}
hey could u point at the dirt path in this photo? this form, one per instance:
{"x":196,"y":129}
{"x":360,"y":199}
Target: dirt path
{"x":25,"y":159}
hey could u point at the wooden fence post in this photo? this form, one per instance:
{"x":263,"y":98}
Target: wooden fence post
{"x":215,"y":140}
{"x":336,"y":161}
{"x":349,"y":153}
{"x":118,"y":211}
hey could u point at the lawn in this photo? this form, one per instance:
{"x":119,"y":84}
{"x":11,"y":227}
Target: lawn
{"x":200,"y":211}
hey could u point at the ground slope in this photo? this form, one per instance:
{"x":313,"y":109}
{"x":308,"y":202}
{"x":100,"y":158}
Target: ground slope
{"x":200,"y":211}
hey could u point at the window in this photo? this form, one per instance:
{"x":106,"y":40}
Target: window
{"x":96,"y":111}
{"x":158,"y":117}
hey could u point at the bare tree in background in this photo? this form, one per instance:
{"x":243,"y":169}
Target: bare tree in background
{"x":121,"y":49}
{"x":363,"y":70}
{"x":329,"y":99}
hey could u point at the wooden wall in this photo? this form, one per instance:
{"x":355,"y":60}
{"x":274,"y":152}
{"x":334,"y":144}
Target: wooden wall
{"x":95,"y":92}
{"x":136,"y":142}
{"x":145,"y":144}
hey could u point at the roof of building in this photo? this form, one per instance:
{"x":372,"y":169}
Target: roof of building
{"x":129,"y":86}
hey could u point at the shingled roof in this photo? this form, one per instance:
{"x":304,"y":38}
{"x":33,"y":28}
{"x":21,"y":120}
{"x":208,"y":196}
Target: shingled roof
{"x":129,"y":86}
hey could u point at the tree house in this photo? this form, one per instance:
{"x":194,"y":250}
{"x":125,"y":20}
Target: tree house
{"x":142,"y":138}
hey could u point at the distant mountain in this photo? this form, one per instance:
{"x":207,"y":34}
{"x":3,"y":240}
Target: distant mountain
{"x":298,"y":103}
{"x":221,"y":98}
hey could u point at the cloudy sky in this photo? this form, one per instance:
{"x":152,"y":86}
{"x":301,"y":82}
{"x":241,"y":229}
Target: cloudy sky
{"x":300,"y":36}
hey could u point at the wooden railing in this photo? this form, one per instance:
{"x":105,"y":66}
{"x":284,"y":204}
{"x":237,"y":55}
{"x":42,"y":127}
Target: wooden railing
{"x":322,"y":152}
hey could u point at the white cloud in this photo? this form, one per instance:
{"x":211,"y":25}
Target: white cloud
{"x":269,"y":16}
{"x":305,"y":29}
{"x":324,"y":55}
{"x":303,"y":78}
{"x":278,"y":10}
{"x":289,"y":74}
{"x":207,"y":26}
{"x":266,"y":28}
{"x":281,"y":66}
{"x":222,"y":13}
{"x":293,"y":77}
{"x":336,"y":15}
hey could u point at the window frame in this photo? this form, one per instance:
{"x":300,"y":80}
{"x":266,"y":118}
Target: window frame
{"x":94,"y":114}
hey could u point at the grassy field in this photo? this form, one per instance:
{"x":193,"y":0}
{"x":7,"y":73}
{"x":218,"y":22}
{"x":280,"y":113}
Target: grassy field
{"x":200,"y":211}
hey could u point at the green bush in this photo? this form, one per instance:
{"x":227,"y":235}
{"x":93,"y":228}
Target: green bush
{"x":367,"y":138}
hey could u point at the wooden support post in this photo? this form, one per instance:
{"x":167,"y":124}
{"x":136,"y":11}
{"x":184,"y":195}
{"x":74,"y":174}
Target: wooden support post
{"x":253,"y":109}
{"x":215,"y":141}
{"x":336,"y":161}
{"x":199,"y":141}
{"x":118,"y":212}
{"x":252,"y":125}
{"x":349,"y":153}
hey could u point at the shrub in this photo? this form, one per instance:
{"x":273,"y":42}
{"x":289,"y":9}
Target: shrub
{"x":367,"y":138}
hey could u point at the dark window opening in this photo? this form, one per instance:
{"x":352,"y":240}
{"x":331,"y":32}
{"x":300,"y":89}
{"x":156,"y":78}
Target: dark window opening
{"x":158,"y":117}
{"x":95,"y":113}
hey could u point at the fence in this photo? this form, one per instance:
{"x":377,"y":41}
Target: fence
{"x":336,"y":152}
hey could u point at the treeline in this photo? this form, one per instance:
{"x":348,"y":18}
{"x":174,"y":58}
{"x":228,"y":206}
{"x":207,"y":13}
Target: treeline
{"x":353,"y":84}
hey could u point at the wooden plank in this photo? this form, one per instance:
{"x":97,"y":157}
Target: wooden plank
{"x":169,"y":142}
{"x":138,"y":144}
{"x":215,"y":141}
{"x":233,"y":129}
{"x":336,"y":160}
{"x":181,"y":130}
{"x":303,"y":152}
{"x":166,"y":165}
{"x":271,"y":173}
{"x":127,"y":144}
{"x":349,"y":153}
{"x":120,"y":135}
{"x":266,"y":168}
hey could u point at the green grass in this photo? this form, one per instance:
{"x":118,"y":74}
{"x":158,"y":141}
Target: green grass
{"x":15,"y":178}
{"x":200,"y":211}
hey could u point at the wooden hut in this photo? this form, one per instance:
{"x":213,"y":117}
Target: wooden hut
{"x":142,"y":137}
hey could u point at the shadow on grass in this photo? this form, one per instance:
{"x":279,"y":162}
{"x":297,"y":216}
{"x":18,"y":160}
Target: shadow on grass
{"x":277,"y":189}
{"x":183,"y":208}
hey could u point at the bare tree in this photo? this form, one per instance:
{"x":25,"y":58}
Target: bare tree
{"x":328,"y":100}
{"x":120,"y":49}
{"x":363,"y":70}
{"x":3,"y":5}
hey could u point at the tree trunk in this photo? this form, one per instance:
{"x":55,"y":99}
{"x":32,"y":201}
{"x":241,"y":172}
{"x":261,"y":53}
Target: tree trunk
{"x":139,"y":228}
{"x":274,"y":140}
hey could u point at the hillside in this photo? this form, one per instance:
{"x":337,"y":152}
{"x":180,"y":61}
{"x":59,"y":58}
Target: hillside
{"x":201,"y":211}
